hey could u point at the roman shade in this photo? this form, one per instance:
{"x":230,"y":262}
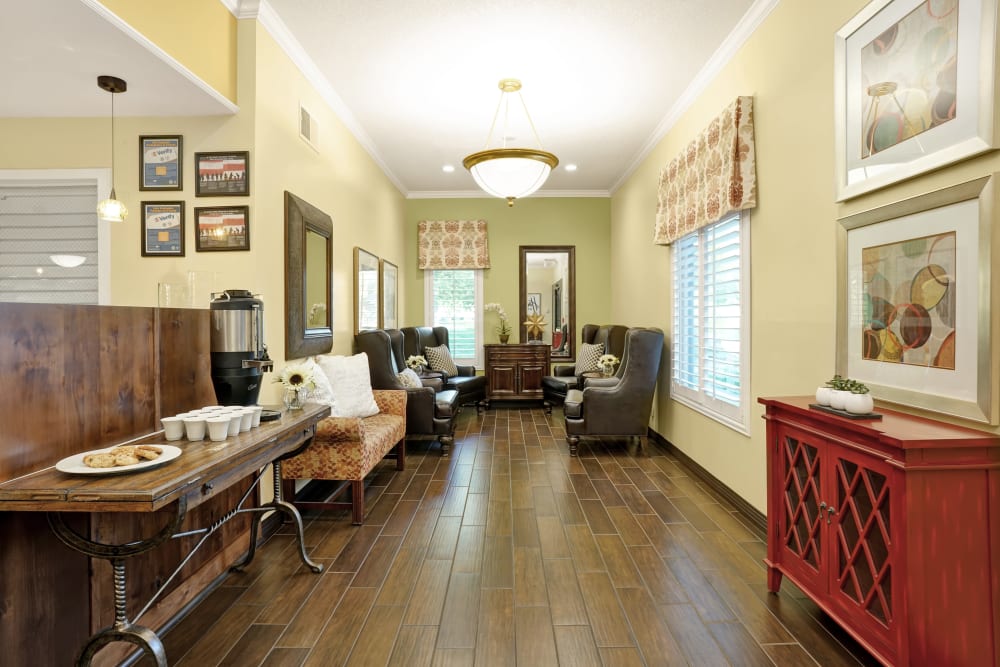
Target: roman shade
{"x":452,"y":244}
{"x":714,"y":176}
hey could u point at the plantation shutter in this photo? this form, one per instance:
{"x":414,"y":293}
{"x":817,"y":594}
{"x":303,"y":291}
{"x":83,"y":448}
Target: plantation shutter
{"x":455,"y":307}
{"x":44,"y":229}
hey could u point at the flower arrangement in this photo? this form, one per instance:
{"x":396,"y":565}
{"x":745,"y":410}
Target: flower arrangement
{"x":296,"y":377}
{"x":416,"y":362}
{"x":607,"y":362}
{"x":503,"y":329}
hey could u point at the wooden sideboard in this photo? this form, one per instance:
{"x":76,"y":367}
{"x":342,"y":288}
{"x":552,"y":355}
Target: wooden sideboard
{"x":891,"y":526}
{"x":514,"y":372}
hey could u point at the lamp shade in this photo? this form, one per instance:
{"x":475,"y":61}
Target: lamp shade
{"x":112,"y":210}
{"x":510,"y":173}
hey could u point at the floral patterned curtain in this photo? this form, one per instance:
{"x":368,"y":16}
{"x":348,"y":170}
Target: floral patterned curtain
{"x":715,"y":175}
{"x":452,"y":244}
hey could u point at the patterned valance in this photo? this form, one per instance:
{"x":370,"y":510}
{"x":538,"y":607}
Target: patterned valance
{"x":715,"y":175}
{"x":452,"y":244}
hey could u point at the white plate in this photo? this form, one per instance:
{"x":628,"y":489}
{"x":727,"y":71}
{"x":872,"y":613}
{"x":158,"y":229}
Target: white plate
{"x":74,"y":464}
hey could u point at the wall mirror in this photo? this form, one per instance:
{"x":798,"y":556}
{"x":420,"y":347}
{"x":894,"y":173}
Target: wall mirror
{"x":308,"y":279}
{"x":366,"y":290}
{"x":548,"y":298}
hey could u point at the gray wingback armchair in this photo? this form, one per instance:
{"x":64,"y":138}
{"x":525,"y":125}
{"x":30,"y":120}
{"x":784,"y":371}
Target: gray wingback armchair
{"x":431,"y":409}
{"x":563,"y":378}
{"x":620,"y":405}
{"x":471,"y":388}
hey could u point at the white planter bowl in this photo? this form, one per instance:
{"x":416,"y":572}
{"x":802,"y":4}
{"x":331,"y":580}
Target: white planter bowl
{"x":823,"y":395}
{"x":859,"y":404}
{"x":838,"y":399}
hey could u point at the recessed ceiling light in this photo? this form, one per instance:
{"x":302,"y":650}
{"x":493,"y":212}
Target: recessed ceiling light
{"x":571,"y":167}
{"x":448,"y":168}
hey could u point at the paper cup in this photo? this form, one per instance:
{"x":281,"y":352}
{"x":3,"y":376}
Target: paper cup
{"x":256,"y":414}
{"x":246,"y":419}
{"x":218,"y":428}
{"x":195,"y":428}
{"x":235,"y":419}
{"x":173,"y":428}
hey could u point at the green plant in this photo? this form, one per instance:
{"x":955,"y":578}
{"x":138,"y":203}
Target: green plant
{"x":837,"y":382}
{"x":856,"y":387}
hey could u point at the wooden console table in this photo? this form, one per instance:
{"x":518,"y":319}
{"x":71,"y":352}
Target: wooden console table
{"x":891,"y":527}
{"x":204,"y":470}
{"x":515,"y":371}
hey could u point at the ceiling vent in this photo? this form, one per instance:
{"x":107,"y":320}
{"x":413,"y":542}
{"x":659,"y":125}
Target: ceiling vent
{"x":308,"y":129}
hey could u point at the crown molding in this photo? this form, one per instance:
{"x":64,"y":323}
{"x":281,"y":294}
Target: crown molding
{"x":228,"y":106}
{"x":734,"y":40}
{"x":293,"y":49}
{"x":479,"y":194}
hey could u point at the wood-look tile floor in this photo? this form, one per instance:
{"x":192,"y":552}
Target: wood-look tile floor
{"x":510,"y":552}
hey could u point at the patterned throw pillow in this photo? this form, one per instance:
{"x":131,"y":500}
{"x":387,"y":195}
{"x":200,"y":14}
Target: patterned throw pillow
{"x":351,"y":384}
{"x":409,"y":378}
{"x":586,"y":358}
{"x":440,"y":359}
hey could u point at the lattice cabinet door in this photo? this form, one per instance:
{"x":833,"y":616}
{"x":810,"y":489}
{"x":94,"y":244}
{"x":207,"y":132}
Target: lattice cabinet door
{"x":801,"y":462}
{"x":863,"y":562}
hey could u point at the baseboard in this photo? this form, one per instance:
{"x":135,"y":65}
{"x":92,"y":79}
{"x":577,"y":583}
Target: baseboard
{"x":756,"y":518}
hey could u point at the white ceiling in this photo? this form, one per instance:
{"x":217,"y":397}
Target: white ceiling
{"x":416,"y":80}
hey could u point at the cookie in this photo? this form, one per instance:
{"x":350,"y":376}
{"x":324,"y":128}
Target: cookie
{"x":125,"y":459}
{"x":148,"y":452}
{"x":105,"y":460}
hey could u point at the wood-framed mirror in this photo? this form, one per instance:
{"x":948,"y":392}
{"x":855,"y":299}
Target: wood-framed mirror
{"x":366,"y":290}
{"x":308,"y":279}
{"x":548,"y":298}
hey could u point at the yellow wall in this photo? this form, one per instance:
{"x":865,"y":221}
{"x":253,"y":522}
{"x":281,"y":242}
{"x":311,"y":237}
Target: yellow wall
{"x":199,"y":34}
{"x":787,"y":65}
{"x":583,"y":222}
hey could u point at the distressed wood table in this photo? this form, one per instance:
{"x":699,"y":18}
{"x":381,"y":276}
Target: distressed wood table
{"x":203,"y":470}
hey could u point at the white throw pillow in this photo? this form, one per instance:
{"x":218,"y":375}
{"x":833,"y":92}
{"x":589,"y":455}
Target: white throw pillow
{"x":351,"y":385}
{"x":586,"y":358}
{"x":440,"y":359}
{"x":322,"y":392}
{"x":409,"y":378}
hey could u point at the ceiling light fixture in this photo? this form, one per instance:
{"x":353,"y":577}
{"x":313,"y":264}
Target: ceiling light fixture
{"x":448,"y":168}
{"x":67,"y":261}
{"x":510,"y":173}
{"x":111,"y":209}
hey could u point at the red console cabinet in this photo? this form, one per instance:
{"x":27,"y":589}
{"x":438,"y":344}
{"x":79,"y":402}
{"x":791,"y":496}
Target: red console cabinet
{"x":891,"y":526}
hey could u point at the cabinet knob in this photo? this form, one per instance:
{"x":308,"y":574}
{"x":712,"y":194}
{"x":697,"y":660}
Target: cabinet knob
{"x":822,"y":505}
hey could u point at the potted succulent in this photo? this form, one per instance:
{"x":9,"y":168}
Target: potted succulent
{"x":859,"y":401}
{"x":825,"y":394}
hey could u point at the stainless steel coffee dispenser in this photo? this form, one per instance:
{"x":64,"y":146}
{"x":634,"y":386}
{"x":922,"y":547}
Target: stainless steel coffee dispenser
{"x":239,"y":355}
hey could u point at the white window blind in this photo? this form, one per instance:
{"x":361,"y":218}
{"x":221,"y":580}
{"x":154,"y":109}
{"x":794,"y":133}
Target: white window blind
{"x":44,"y":230}
{"x":710,"y":344}
{"x":453,"y":301}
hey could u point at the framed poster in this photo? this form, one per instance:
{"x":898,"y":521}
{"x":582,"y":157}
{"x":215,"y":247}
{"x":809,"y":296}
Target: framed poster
{"x":162,"y":228}
{"x":366,"y":290}
{"x":222,"y":174}
{"x":388,"y":286}
{"x":222,"y":228}
{"x":161,"y":162}
{"x":915,"y":86}
{"x":916,"y":293}
{"x":534,"y":303}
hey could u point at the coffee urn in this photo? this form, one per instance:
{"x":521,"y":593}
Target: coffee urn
{"x":239,"y":355}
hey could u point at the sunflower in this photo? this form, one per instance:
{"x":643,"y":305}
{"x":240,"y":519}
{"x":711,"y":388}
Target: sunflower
{"x":535,"y":325}
{"x":297,"y":376}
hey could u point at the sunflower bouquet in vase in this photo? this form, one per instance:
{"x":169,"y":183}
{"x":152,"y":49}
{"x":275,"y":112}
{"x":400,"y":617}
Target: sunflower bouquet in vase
{"x":297,"y":379}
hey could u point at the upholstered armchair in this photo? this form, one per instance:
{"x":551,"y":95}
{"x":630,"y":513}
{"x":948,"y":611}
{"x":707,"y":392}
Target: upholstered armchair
{"x":622,"y":405}
{"x":564,"y":378}
{"x":471,"y":388}
{"x":430,"y":409}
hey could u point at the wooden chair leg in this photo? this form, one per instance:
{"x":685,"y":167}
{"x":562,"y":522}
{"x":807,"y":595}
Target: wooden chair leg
{"x":401,"y":454}
{"x":358,"y":502}
{"x":572,"y":441}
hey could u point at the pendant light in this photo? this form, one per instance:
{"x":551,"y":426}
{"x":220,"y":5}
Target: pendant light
{"x":510,"y":173}
{"x":111,"y":209}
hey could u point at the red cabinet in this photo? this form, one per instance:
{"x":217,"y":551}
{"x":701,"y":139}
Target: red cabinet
{"x":892,"y":527}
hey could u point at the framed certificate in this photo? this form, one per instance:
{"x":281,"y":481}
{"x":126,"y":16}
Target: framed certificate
{"x":162,"y":229}
{"x":161,"y":163}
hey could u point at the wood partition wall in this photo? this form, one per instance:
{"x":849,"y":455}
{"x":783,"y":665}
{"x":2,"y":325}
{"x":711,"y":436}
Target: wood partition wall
{"x":77,"y":378}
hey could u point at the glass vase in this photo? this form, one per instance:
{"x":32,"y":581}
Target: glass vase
{"x":294,"y":399}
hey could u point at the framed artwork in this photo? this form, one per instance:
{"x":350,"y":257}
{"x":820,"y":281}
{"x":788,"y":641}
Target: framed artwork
{"x":916,"y":293}
{"x":366,"y":290}
{"x":388,"y":291}
{"x":222,"y":174}
{"x":915,"y":86}
{"x":161,"y":162}
{"x":222,"y":228}
{"x":534,"y":303}
{"x":162,"y":228}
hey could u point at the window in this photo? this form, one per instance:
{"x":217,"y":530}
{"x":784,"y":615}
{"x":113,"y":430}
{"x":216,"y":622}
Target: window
{"x":710,"y":347}
{"x":454,"y":299}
